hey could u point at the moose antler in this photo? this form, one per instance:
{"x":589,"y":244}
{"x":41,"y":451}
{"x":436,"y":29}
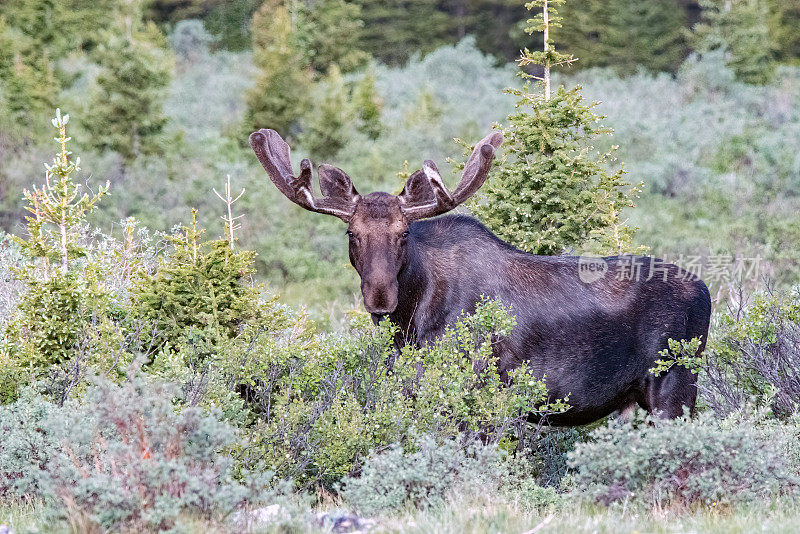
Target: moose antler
{"x":424,"y":194}
{"x":273,"y":153}
{"x":475,"y":173}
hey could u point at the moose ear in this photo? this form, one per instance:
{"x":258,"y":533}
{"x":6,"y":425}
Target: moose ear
{"x":417,"y":191}
{"x":334,"y":183}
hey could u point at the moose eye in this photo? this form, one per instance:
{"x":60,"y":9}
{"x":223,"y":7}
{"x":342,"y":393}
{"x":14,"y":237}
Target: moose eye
{"x":404,"y":235}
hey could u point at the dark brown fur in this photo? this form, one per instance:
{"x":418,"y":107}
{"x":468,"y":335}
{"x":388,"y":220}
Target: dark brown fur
{"x":594,"y":342}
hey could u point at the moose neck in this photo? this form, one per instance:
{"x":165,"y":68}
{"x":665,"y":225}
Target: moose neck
{"x":413,"y":282}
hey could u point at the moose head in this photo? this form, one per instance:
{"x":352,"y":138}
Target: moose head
{"x":378,"y":223}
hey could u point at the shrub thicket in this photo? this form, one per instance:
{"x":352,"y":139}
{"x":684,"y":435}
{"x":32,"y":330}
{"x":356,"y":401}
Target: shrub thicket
{"x":681,"y":463}
{"x":317,"y":405}
{"x":321,"y":408}
{"x":754,"y":357}
{"x":313,"y":406}
{"x":123,"y":458}
{"x":422,"y":476}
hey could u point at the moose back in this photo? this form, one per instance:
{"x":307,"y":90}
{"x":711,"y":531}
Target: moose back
{"x":592,"y":328}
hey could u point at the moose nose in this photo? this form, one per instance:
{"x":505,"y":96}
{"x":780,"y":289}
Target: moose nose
{"x":380,"y":299}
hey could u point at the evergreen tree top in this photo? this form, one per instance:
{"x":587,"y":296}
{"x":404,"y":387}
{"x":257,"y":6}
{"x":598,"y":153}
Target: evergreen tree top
{"x":548,"y":57}
{"x":552,"y":192}
{"x":58,"y":207}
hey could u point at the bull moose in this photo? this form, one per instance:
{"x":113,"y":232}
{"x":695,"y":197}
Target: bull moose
{"x":594,"y":335}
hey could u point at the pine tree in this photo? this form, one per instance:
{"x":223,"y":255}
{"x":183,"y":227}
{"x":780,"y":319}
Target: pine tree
{"x":329,"y":116}
{"x":200,"y":295}
{"x":126,"y":108}
{"x":62,"y":291}
{"x":229,"y":21}
{"x":281,"y":93}
{"x":741,"y":28}
{"x":395,"y":29}
{"x":551,"y":193}
{"x":326,"y":35}
{"x":58,"y":208}
{"x":301,"y":50}
{"x":625,"y":34}
{"x":28,"y":85}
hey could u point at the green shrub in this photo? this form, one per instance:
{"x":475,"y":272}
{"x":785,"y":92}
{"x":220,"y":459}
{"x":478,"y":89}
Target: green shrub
{"x":680,"y":463}
{"x":315,"y":406}
{"x":125,"y":459}
{"x":421,"y":477}
{"x":66,"y":303}
{"x":27,"y":447}
{"x":753,"y":358}
{"x":422,"y":474}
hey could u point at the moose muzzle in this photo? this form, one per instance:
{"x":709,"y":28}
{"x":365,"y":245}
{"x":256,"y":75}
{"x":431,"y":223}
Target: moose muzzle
{"x":380,"y":296}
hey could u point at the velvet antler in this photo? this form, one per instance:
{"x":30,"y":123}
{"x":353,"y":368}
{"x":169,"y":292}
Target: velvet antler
{"x":475,"y":173}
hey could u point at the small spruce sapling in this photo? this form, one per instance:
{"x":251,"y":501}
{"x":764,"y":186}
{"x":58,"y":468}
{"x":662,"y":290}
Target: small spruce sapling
{"x":551,"y":192}
{"x":199,"y":297}
{"x":63,"y":288}
{"x":58,"y":204}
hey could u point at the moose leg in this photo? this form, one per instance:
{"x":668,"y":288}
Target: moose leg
{"x":668,"y":394}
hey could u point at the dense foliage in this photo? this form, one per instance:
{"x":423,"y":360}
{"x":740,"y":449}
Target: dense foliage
{"x":625,"y":34}
{"x":753,"y":360}
{"x":683,"y":463}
